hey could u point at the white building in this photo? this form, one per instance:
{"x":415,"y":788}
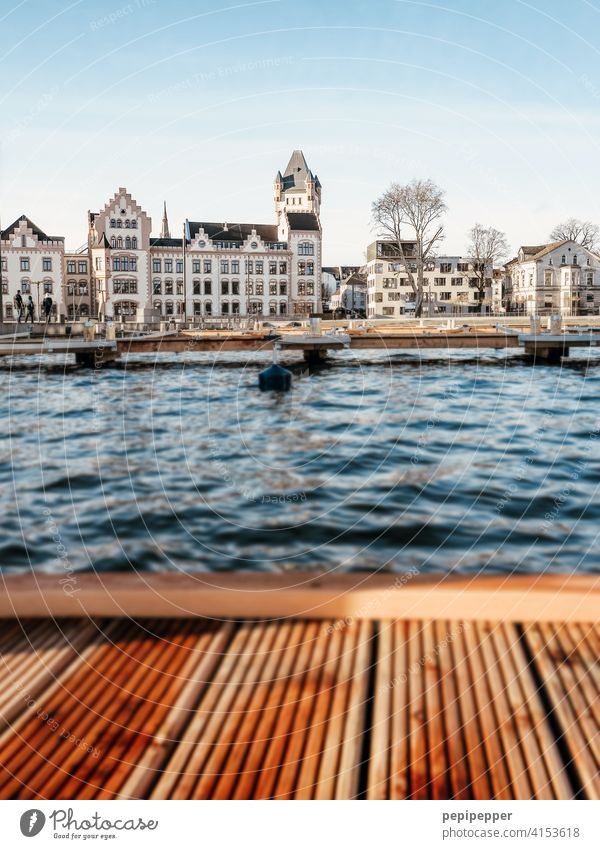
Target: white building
{"x":449,"y":284}
{"x":215,"y":268}
{"x":32,"y":264}
{"x":351,"y":294}
{"x":558,"y":278}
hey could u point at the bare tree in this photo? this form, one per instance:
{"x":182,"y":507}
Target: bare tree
{"x":583,"y":232}
{"x":411,"y":213}
{"x":487,"y":246}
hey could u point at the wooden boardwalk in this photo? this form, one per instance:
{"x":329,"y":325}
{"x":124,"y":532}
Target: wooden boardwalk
{"x":302,"y":708}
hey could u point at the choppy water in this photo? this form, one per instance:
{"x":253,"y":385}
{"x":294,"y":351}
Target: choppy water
{"x":445,"y":463}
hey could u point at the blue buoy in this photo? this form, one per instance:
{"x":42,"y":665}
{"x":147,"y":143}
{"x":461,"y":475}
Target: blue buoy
{"x":275,"y":378}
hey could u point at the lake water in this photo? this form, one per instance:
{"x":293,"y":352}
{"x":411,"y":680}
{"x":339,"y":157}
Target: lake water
{"x":444,"y":462}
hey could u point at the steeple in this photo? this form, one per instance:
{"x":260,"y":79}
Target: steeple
{"x":164,"y":230}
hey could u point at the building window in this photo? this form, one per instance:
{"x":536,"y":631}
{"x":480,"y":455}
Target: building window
{"x":128,"y":242}
{"x":224,"y":287}
{"x":445,"y":267}
{"x":71,"y":266}
{"x":133,"y":224}
{"x":306,"y":249}
{"x":208,"y":308}
{"x":259,"y":287}
{"x":195,"y":266}
{"x":127,"y":223}
{"x":83,"y":266}
{"x":47,"y":287}
{"x":310,"y":287}
{"x":98,"y":263}
{"x":156,"y":287}
{"x":113,"y":242}
{"x":119,"y":223}
{"x":207,"y":266}
{"x":156,"y":266}
{"x":563,"y":259}
{"x":235,"y":266}
{"x":283,"y":267}
{"x":119,"y":241}
{"x":250,"y":266}
{"x":235,"y":287}
{"x":125,"y":287}
{"x":169,"y":308}
{"x":197,"y":308}
{"x":272,"y":266}
{"x":282,"y":308}
{"x":180,"y":287}
{"x":168,"y":287}
{"x":25,"y":287}
{"x":259,"y":266}
{"x":113,"y":223}
{"x":134,"y":243}
{"x":179,"y":266}
{"x":272,"y":288}
{"x":207,"y":287}
{"x":46,"y":264}
{"x":168,"y":266}
{"x":301,"y":287}
{"x":157,"y":306}
{"x":283,"y":288}
{"x":225,"y":308}
{"x":25,"y":263}
{"x":235,"y":307}
{"x":196,"y":287}
{"x":224,"y":266}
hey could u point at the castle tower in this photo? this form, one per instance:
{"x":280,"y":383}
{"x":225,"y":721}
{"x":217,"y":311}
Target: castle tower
{"x":297,"y":189}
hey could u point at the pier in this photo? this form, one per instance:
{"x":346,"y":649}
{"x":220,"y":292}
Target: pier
{"x":540,"y":347}
{"x":250,"y":686}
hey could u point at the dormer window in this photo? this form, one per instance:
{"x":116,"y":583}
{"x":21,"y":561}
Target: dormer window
{"x":563,"y":259}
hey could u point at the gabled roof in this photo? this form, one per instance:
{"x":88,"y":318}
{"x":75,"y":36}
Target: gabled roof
{"x":546,"y":249}
{"x":303,"y":221}
{"x":43,"y":237}
{"x":233,"y":232}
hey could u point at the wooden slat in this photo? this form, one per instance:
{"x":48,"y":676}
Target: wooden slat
{"x":546,"y":770}
{"x":380,"y":766}
{"x":279,"y":768}
{"x":273,"y":698}
{"x":547,"y":656}
{"x":458,"y":773}
{"x":196,"y":676}
{"x":185,"y":765}
{"x":519,"y":785}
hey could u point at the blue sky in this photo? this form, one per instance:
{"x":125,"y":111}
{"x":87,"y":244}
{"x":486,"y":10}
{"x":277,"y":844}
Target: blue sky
{"x":200,"y":103}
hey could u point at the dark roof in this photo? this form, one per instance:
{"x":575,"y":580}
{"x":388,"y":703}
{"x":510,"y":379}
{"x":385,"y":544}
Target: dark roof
{"x":43,"y":237}
{"x":234,"y":232}
{"x":303,"y":221}
{"x":297,"y":172}
{"x":166,"y":243}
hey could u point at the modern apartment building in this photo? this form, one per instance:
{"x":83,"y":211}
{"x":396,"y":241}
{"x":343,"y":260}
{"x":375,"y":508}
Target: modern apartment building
{"x":450,"y":284}
{"x":558,"y":278}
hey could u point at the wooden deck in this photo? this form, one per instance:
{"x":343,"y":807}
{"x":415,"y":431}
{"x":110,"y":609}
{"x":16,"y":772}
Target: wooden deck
{"x":304,"y":707}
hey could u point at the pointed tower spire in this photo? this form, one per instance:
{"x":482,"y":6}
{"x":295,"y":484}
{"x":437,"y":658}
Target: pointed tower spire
{"x":164,"y":230}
